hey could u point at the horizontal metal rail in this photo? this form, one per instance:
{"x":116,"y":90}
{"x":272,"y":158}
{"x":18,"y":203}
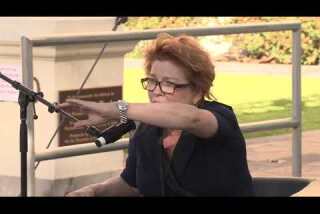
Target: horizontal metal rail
{"x":100,"y":37}
{"x":76,"y":150}
{"x":269,"y":125}
{"x":64,"y":152}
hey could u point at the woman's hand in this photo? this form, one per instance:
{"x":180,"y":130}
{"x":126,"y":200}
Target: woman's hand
{"x":97,"y":112}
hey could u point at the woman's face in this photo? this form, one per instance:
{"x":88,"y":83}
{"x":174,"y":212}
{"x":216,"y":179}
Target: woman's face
{"x":167,"y":72}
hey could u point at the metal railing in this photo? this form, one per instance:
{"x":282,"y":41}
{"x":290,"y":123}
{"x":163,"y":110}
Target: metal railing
{"x":294,"y":122}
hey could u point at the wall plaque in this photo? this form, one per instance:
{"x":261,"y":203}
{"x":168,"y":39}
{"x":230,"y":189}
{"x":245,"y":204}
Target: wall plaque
{"x":68,"y":135}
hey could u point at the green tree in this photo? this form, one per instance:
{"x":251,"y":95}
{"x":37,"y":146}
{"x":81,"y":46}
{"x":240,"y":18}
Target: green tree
{"x":145,"y":23}
{"x":277,"y":46}
{"x":265,"y":47}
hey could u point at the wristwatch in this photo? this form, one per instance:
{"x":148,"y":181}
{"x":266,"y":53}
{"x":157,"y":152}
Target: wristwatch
{"x":123,"y":110}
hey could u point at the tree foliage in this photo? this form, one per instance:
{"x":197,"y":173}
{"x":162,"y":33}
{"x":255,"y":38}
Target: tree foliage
{"x":145,"y":23}
{"x":277,"y":46}
{"x":268,"y":46}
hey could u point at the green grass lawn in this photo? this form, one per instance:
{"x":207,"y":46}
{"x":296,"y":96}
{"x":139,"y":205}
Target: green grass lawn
{"x":254,"y":97}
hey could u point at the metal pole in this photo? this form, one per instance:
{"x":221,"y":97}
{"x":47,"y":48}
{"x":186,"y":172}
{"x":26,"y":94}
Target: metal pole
{"x":27,"y":79}
{"x":268,"y":125}
{"x":67,"y":39}
{"x":23,"y":102}
{"x":296,"y":102}
{"x":78,"y":150}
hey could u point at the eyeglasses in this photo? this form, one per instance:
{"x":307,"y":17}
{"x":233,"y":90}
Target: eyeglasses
{"x":166,"y":87}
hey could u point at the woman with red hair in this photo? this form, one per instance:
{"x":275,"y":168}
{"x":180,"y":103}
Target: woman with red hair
{"x":185,"y":145}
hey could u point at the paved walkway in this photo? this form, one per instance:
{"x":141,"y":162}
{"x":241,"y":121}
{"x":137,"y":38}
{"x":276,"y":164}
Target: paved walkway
{"x":271,"y":156}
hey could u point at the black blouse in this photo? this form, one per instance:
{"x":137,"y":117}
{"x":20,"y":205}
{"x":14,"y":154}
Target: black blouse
{"x":215,"y":166}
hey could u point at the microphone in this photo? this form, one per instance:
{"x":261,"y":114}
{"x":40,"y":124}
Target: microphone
{"x":114,"y":133}
{"x":121,"y":19}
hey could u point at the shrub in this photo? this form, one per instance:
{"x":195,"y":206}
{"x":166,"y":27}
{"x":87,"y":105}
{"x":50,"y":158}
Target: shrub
{"x":144,"y":23}
{"x":278,"y":45}
{"x":265,"y":47}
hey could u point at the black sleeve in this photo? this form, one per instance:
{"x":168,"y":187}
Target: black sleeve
{"x":227,"y":122}
{"x":129,"y":172}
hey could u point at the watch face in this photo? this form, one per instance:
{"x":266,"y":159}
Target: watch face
{"x":122,"y":105}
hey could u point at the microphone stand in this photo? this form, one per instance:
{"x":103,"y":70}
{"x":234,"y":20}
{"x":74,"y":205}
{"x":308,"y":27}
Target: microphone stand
{"x":27,"y":96}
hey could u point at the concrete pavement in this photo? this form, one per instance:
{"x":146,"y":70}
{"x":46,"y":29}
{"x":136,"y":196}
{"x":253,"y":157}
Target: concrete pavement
{"x":272,"y":156}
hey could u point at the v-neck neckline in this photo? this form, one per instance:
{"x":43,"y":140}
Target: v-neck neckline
{"x":171,"y":159}
{"x":169,"y":149}
{"x":152,"y":143}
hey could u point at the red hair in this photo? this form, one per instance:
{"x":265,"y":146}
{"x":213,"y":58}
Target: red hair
{"x":186,"y":52}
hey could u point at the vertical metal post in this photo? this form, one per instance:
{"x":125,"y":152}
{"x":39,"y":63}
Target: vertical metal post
{"x":296,"y":102}
{"x":27,"y":79}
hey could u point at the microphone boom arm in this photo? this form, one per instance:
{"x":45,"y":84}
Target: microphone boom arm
{"x":52,"y":107}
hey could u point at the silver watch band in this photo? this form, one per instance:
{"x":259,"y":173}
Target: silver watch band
{"x":123,"y":111}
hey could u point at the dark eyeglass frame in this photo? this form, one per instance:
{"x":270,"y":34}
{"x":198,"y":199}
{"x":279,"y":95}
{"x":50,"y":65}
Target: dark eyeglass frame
{"x":159,"y":83}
